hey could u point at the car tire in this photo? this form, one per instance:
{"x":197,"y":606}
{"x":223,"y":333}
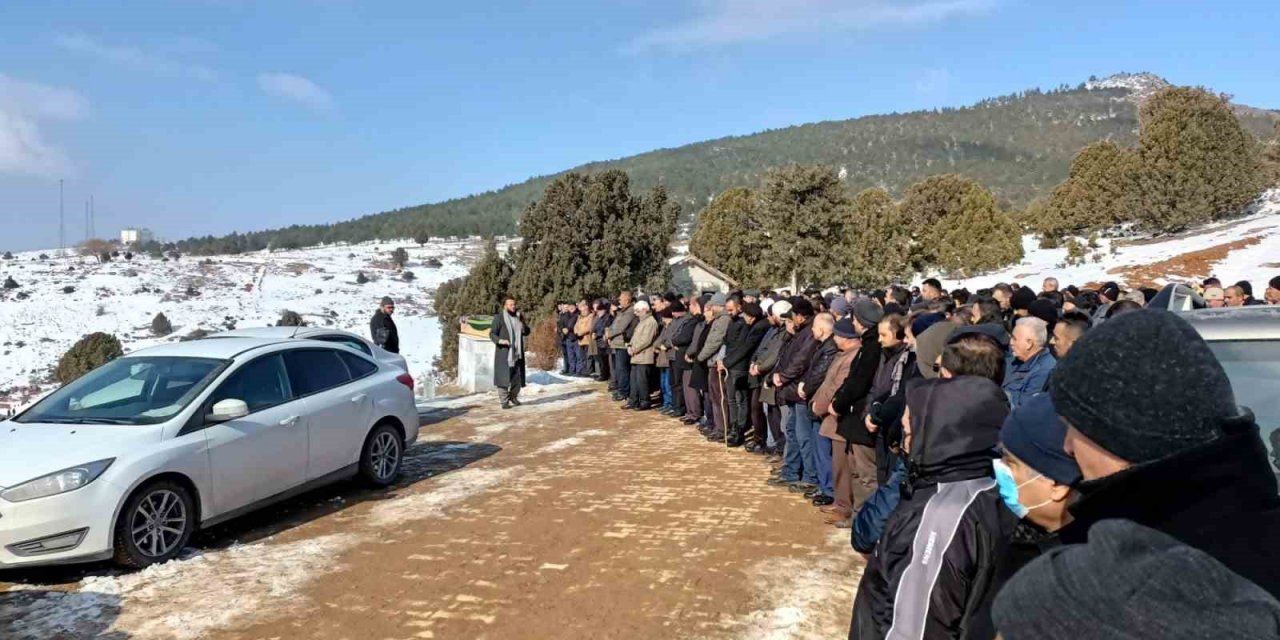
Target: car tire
{"x":155,"y":525}
{"x":382,"y":456}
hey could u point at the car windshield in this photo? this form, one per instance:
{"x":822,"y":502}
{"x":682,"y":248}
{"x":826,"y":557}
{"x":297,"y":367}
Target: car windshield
{"x":127,"y":391}
{"x":1253,"y":367}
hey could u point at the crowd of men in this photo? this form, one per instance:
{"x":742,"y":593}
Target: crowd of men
{"x":1067,"y":463}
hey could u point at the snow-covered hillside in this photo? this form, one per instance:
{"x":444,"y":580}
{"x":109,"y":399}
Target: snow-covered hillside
{"x":1246,"y":248}
{"x":39,"y":321}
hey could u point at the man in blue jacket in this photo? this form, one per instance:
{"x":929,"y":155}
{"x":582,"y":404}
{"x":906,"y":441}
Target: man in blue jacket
{"x":1032,"y":364}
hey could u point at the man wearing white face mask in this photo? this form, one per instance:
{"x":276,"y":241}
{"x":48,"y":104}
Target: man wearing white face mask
{"x":1035,"y":476}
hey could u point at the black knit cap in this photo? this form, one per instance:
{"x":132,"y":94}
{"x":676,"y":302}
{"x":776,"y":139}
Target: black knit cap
{"x":1143,"y":385}
{"x":1022,"y":298}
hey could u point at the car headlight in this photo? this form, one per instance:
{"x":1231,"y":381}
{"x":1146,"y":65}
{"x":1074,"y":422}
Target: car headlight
{"x":56,"y":482}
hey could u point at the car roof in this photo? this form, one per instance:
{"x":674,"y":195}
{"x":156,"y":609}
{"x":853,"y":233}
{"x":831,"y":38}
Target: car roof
{"x":282,"y":333}
{"x":221,"y":348}
{"x":1257,"y":322}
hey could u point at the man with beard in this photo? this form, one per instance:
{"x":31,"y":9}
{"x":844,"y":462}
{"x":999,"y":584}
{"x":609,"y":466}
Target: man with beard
{"x":508,"y":331}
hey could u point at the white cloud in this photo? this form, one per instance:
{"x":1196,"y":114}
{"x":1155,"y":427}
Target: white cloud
{"x":295,"y":88}
{"x":23,"y":107}
{"x":732,"y":21}
{"x":133,"y":58}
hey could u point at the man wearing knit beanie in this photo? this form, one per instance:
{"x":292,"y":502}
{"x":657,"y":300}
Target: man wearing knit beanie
{"x":1132,"y":582}
{"x":1152,"y":422}
{"x":1021,"y":301}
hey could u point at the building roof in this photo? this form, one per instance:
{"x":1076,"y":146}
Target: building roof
{"x":692,"y":259}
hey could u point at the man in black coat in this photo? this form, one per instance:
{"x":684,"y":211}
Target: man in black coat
{"x":786,"y":377}
{"x":382,"y":329}
{"x":744,"y":336}
{"x":509,"y":332}
{"x":1152,"y":422}
{"x":936,"y":568}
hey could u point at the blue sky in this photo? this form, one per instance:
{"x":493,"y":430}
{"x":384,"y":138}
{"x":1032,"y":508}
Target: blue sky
{"x":207,"y":116}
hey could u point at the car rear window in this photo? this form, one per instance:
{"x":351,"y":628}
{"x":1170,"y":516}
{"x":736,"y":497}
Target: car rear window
{"x":314,"y":370}
{"x":358,"y":366}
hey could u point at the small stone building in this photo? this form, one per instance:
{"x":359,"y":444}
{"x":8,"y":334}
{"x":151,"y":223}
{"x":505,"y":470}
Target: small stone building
{"x":690,"y":274}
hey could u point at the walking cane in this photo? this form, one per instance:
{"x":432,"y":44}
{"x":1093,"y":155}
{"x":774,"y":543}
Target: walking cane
{"x":724,"y":405}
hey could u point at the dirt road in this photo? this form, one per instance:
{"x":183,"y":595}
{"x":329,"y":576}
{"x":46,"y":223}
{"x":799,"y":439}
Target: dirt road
{"x":564,"y":518}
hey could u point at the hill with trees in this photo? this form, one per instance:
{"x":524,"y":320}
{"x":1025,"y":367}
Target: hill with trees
{"x":1019,"y":146}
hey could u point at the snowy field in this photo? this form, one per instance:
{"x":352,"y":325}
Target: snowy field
{"x":39,"y":321}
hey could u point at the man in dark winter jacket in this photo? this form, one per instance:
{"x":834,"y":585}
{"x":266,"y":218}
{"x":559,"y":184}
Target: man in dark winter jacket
{"x":786,"y":375}
{"x":1131,"y":581}
{"x":568,"y":317}
{"x":1152,"y":422}
{"x":382,"y":329}
{"x":934,"y":571}
{"x":745,"y":335}
{"x":815,"y":451}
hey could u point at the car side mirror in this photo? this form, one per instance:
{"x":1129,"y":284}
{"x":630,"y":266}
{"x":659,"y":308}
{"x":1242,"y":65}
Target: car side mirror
{"x":229,"y":409}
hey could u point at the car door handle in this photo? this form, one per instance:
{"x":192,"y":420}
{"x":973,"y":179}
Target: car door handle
{"x":359,"y":398}
{"x":289,"y":422}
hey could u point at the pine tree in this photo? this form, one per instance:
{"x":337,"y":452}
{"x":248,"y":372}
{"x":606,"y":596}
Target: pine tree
{"x":979,"y":237}
{"x":590,"y":235}
{"x":479,"y":292}
{"x":803,"y":209}
{"x":731,"y":237}
{"x":160,"y":325}
{"x":875,"y":245}
{"x":1197,"y":163}
{"x":926,"y":204}
{"x":400,"y":257}
{"x":89,"y":353}
{"x":1100,"y":192}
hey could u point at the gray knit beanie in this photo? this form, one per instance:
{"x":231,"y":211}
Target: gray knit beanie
{"x":1144,"y":386}
{"x":1129,"y":583}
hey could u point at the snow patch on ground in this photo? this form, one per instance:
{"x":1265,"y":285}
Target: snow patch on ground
{"x":182,"y":599}
{"x":570,"y":442}
{"x":453,"y":488}
{"x":39,"y":322}
{"x":802,"y":592}
{"x":484,"y":432}
{"x":1247,"y":263}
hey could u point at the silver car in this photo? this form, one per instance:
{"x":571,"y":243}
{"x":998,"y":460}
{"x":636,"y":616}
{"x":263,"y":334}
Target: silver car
{"x":335,"y":336}
{"x":1247,"y":343}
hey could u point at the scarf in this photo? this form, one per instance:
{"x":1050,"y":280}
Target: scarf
{"x":515,"y":329}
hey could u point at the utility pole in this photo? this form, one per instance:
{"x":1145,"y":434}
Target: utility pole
{"x":93,"y":219}
{"x":62,"y":226}
{"x":87,"y":224}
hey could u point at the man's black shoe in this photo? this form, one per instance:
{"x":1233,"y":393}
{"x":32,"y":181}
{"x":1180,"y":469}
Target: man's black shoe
{"x":802,"y":487}
{"x":822,"y":501}
{"x":627,"y":407}
{"x":779,"y":482}
{"x":734,"y":443}
{"x":516,"y":402}
{"x":715,"y":436}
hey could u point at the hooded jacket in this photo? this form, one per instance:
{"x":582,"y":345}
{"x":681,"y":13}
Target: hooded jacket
{"x":936,"y":567}
{"x":1219,"y":497}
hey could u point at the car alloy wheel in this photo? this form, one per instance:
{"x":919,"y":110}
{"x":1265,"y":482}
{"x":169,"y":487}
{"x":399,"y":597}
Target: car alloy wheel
{"x":384,"y":456}
{"x":159,"y":523}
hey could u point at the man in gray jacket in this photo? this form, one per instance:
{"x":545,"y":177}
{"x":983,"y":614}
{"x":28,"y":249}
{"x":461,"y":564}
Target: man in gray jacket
{"x":716,"y":332}
{"x":618,"y":334}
